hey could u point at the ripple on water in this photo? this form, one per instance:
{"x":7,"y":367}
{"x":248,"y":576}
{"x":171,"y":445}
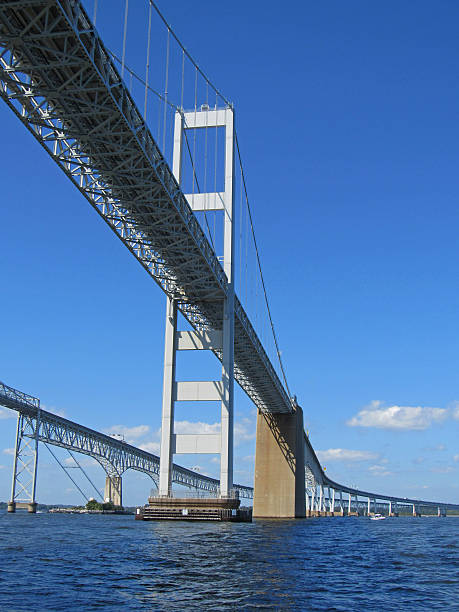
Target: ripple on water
{"x":113,"y":563}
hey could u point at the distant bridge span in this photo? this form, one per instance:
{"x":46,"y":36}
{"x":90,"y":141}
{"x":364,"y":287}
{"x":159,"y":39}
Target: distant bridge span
{"x":115,"y":456}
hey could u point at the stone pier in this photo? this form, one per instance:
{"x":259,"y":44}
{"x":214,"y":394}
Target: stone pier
{"x":114,"y":490}
{"x":279,"y":466}
{"x":29,"y":506}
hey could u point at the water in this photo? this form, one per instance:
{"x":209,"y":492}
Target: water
{"x":58,"y":562}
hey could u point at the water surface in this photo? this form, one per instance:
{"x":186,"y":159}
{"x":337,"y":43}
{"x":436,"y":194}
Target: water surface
{"x":59,"y":562}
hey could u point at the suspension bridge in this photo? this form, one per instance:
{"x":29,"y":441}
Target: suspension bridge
{"x":160,"y":163}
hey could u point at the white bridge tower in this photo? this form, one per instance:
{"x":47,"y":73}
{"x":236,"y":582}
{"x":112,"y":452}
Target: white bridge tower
{"x":220,"y":340}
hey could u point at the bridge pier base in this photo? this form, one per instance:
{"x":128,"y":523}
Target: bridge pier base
{"x":279,"y":490}
{"x":29,"y":506}
{"x":113,"y":490}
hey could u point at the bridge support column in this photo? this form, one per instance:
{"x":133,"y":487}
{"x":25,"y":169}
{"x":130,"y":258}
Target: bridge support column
{"x":279,"y":490}
{"x":114,"y":490}
{"x":24,"y":481}
{"x":219,"y":340}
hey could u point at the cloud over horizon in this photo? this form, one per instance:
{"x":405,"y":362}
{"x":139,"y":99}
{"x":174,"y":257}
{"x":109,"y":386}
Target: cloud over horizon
{"x":398,"y":417}
{"x":344,"y":454}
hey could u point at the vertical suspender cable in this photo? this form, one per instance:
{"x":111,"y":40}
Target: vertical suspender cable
{"x":240,"y":234}
{"x":216,"y":154}
{"x":147,"y":67}
{"x":165,"y":89}
{"x":261,"y":273}
{"x":194,"y":131}
{"x":183,"y":80}
{"x":94,"y":16}
{"x":124,"y":38}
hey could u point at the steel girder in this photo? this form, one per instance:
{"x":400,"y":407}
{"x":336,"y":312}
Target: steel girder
{"x":114,"y":455}
{"x":61,"y":82}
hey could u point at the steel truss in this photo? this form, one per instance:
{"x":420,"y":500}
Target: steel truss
{"x":60,"y":81}
{"x":114,"y":455}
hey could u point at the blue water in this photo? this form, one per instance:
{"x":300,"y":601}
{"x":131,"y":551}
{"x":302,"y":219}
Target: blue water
{"x":58,"y":562}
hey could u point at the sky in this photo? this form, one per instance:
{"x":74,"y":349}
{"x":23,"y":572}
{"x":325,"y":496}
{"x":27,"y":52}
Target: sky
{"x":347,"y":122}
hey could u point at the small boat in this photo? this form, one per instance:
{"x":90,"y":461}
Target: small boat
{"x":377,"y":517}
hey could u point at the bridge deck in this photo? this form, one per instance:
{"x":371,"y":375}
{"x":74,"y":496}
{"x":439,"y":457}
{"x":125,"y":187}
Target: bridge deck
{"x":57,"y":430}
{"x":61,"y":82}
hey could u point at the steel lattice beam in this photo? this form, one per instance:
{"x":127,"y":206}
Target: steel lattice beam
{"x":115,"y":456}
{"x":58,"y":78}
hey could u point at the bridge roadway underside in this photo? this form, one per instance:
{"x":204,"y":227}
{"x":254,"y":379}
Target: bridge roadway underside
{"x":59,"y":79}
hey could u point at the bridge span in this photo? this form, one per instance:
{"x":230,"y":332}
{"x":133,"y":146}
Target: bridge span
{"x":61,"y":82}
{"x":116,"y":457}
{"x":36,"y":425}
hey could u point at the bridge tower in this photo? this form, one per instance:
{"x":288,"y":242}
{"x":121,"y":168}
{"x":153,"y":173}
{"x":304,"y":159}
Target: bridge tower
{"x":220,"y":341}
{"x":25,"y":463}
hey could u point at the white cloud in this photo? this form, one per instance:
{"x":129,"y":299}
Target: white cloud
{"x":442,"y":469}
{"x":455,"y":410}
{"x":86,"y":462}
{"x":150,"y":447}
{"x":8,"y":451}
{"x":130,"y":434}
{"x":7,"y":414}
{"x":2,"y":467}
{"x":244,"y":431}
{"x":57,"y":411}
{"x":343,"y":454}
{"x":456,"y":458}
{"x":379,"y":470}
{"x":187,"y":427}
{"x":398,"y":417}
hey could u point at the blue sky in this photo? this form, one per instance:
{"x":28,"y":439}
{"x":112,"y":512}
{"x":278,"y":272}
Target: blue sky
{"x":347,"y":121}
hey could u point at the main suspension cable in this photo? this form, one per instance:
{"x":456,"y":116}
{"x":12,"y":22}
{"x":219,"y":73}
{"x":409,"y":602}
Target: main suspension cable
{"x":260,"y":269}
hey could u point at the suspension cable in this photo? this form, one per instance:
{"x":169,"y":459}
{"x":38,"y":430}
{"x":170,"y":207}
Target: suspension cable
{"x":177,"y":40}
{"x":124,"y":37}
{"x":259,"y":268}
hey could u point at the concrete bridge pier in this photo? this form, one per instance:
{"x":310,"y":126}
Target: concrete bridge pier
{"x":114,"y":490}
{"x":279,"y":466}
{"x":29,"y":506}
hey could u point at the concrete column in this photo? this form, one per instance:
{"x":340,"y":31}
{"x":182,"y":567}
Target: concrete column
{"x":226,"y":456}
{"x":113,"y":490}
{"x":349,"y":505}
{"x":279,"y":466}
{"x":167,"y":423}
{"x":368,"y":510}
{"x":333,"y":500}
{"x":227,"y":404}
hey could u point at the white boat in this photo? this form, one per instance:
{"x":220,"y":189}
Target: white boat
{"x":377,"y":517}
